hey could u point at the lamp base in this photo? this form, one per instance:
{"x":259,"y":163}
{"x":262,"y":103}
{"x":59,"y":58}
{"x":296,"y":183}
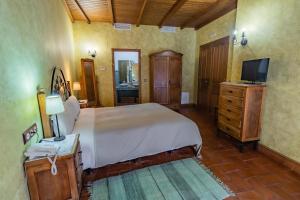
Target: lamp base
{"x":59,"y":138}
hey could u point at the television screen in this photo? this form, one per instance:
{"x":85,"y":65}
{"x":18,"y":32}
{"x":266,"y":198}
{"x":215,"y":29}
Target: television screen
{"x":255,"y":70}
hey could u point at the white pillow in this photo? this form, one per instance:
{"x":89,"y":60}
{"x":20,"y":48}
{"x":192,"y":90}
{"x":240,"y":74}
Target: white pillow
{"x":75,"y":105}
{"x":66,"y":120}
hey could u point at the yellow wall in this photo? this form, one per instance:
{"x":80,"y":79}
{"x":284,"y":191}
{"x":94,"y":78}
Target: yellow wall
{"x":102,"y":37}
{"x":215,"y":30}
{"x":35,"y":36}
{"x":273,"y":30}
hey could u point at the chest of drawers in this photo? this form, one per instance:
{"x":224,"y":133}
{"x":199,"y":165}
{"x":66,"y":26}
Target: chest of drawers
{"x":240,"y":108}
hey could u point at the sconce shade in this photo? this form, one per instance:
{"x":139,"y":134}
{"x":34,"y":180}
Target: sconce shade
{"x":54,"y":105}
{"x":76,"y":86}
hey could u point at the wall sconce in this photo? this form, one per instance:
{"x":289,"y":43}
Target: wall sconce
{"x":234,"y":38}
{"x":244,"y":40}
{"x":92,"y":53}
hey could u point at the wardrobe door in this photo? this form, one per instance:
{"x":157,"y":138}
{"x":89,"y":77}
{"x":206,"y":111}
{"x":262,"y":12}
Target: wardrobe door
{"x":174,"y":81}
{"x":212,"y":71}
{"x":203,"y":78}
{"x":159,"y":76}
{"x":89,"y":90}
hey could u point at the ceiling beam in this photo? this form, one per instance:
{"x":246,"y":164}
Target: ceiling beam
{"x":172,"y":11}
{"x":111,"y":11}
{"x":139,"y":19}
{"x":68,"y":11}
{"x":213,"y":12}
{"x":81,"y":9}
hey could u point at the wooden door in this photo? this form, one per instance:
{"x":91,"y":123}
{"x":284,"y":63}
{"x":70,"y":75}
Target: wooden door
{"x":159,"y":74}
{"x":174,"y":73}
{"x":203,"y":78}
{"x":212,"y":71}
{"x":89,"y":91}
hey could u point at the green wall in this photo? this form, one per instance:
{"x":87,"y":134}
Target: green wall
{"x":35,"y":36}
{"x":103,"y":37}
{"x":273,"y":30}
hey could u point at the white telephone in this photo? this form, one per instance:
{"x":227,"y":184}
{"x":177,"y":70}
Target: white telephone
{"x":41,"y":150}
{"x":44,"y":150}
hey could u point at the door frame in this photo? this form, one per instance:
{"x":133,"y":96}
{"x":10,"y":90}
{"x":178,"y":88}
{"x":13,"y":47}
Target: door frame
{"x":225,"y":39}
{"x":113,"y":71}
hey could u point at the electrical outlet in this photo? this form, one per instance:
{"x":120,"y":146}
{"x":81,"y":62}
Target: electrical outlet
{"x":29,"y":133}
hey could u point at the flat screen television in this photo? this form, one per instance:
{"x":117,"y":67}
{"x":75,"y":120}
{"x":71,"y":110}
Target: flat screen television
{"x":255,"y":70}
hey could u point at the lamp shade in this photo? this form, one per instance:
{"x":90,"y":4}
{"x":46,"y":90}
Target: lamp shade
{"x":76,"y":86}
{"x":54,"y":105}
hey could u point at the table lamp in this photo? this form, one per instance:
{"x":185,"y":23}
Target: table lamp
{"x":54,"y":106}
{"x":76,"y":87}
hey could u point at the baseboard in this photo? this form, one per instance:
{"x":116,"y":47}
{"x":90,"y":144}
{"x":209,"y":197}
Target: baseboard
{"x":189,"y":105}
{"x":277,"y":157}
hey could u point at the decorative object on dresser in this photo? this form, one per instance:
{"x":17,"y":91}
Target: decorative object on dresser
{"x":165,"y":78}
{"x":66,"y":184}
{"x":240,"y":108}
{"x":89,"y":82}
{"x":54,"y":106}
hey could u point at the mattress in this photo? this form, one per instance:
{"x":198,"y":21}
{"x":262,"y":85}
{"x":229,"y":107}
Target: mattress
{"x":115,"y":134}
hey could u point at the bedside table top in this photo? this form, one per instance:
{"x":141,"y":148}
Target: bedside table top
{"x":66,"y":147}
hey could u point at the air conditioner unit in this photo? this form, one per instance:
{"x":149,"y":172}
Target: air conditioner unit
{"x":122,"y":26}
{"x":168,"y":29}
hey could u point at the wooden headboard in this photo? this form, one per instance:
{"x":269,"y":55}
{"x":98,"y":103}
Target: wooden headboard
{"x":59,"y":86}
{"x":44,"y":117}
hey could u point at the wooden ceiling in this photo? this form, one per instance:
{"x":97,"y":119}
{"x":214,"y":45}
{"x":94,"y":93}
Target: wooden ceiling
{"x":178,"y":13}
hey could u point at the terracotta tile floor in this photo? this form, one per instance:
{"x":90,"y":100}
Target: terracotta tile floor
{"x":251,"y":175}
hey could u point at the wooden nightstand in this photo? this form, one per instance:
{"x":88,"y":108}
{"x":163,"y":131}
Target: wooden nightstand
{"x":83,"y":103}
{"x":66,"y":184}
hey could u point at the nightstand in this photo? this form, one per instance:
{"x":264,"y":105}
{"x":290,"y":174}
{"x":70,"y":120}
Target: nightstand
{"x":66,"y":184}
{"x":83,"y":103}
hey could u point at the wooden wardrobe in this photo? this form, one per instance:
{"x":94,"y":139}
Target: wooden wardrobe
{"x":165,"y":78}
{"x":213,"y":60}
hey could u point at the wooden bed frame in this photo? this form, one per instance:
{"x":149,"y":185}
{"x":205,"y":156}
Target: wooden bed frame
{"x":114,"y":169}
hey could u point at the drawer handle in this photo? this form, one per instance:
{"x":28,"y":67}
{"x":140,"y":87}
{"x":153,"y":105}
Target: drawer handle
{"x":229,"y":101}
{"x":230,"y":91}
{"x":228,"y":119}
{"x":228,"y":110}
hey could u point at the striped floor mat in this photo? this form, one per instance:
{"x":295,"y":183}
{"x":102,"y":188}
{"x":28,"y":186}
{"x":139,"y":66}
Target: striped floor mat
{"x":183,"y":179}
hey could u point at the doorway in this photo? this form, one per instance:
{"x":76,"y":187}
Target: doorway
{"x":213,"y":60}
{"x":127,"y":76}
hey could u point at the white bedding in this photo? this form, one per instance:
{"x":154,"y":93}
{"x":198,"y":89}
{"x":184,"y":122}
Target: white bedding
{"x":115,"y":134}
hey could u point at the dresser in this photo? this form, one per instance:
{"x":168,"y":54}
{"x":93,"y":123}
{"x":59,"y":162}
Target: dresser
{"x":239,"y":112}
{"x":165,"y":78}
{"x":66,"y":184}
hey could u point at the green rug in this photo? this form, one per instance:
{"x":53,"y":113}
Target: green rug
{"x":183,"y":179}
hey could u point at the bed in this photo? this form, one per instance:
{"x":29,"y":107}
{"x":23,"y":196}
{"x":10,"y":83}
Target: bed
{"x":116,"y":134}
{"x":110,"y":136}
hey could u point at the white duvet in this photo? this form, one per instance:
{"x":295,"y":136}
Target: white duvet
{"x":115,"y":134}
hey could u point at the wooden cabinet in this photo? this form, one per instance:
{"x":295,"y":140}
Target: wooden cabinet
{"x":239,"y":114}
{"x":66,"y":184}
{"x":165,"y":78}
{"x":89,"y":82}
{"x":212,"y":71}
